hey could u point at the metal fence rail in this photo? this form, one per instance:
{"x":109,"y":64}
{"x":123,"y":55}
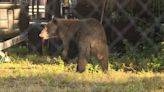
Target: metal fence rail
{"x":13,"y":41}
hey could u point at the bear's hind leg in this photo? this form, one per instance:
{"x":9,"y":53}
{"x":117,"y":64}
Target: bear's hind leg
{"x":101,"y":53}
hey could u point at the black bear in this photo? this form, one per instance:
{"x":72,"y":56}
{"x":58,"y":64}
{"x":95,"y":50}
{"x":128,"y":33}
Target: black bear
{"x":87,"y":34}
{"x":35,"y":43}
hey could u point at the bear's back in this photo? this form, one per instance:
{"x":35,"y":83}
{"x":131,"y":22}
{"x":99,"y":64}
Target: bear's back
{"x":86,"y":27}
{"x":78,"y":22}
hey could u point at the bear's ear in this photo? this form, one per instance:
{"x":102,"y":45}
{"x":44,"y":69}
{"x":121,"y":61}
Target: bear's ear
{"x":54,"y":20}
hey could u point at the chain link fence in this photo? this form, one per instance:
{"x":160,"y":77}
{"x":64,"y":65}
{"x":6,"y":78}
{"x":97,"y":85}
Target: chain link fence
{"x":135,"y":23}
{"x":129,"y":24}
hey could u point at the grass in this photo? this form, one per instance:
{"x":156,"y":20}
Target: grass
{"x":31,"y":73}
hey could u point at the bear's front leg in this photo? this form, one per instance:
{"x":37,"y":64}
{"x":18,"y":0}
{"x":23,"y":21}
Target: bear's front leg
{"x":81,"y":64}
{"x":65,"y":51}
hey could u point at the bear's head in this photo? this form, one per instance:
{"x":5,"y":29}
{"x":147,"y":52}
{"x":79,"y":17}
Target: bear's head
{"x":50,"y":30}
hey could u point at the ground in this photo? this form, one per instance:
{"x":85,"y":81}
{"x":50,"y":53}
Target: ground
{"x":32,"y":73}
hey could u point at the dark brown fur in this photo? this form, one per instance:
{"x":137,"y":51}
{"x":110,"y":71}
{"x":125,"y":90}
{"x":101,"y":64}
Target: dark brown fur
{"x":89,"y":36}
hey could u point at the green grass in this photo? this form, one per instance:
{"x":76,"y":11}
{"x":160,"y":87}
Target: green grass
{"x":32,"y":73}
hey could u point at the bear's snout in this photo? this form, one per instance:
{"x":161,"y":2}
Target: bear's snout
{"x":44,"y":34}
